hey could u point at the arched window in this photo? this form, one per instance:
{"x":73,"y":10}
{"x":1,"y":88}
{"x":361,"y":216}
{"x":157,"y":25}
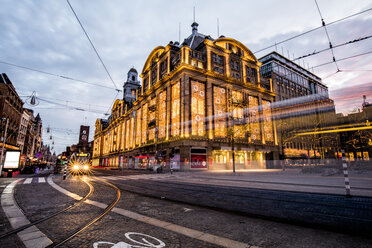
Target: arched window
{"x":133,"y":78}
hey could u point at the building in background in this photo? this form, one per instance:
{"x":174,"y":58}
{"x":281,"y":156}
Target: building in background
{"x":356,"y":138}
{"x":37,"y":139}
{"x":83,"y":146}
{"x":47,"y":154}
{"x":198,"y":101}
{"x":28,"y":150}
{"x":25,"y":118}
{"x":11,"y":109}
{"x":289,"y":79}
{"x":24,"y":131}
{"x":302,"y":105}
{"x":23,"y":128}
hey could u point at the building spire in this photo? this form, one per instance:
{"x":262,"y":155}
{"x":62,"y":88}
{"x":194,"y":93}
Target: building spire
{"x":193,"y":14}
{"x":194,"y":26}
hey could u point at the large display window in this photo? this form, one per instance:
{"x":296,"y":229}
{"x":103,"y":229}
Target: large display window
{"x":197,"y":108}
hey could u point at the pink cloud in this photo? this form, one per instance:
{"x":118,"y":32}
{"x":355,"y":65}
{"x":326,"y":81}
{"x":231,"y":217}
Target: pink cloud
{"x":348,"y":98}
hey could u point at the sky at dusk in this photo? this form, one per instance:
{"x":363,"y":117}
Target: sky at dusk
{"x":44,"y":35}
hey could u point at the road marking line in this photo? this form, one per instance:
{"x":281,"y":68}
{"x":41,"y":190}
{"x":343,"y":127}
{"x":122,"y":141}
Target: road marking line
{"x":41,"y":179}
{"x":206,"y":237}
{"x":32,"y":236}
{"x":28,"y":180}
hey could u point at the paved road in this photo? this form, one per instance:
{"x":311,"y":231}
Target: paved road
{"x":172,"y":223}
{"x":321,"y":210}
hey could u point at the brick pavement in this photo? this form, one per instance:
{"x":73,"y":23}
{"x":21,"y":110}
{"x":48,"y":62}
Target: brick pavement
{"x":328,"y":211}
{"x":113,"y":227}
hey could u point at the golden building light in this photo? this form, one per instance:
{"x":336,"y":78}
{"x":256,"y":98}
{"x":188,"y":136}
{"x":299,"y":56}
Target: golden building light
{"x":191,"y":95}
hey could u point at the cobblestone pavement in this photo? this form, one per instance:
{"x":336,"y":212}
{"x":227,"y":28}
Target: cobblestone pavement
{"x":40,"y":199}
{"x":289,"y":180}
{"x":319,"y":210}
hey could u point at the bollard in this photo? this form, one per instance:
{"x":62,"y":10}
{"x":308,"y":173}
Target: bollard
{"x":346,"y":174}
{"x":64,"y":173}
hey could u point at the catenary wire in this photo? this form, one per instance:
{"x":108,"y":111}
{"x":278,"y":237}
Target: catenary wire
{"x":55,"y":75}
{"x":329,"y":39}
{"x":91,"y":43}
{"x":70,"y":107}
{"x":312,"y":30}
{"x":340,"y":45}
{"x":350,"y":57}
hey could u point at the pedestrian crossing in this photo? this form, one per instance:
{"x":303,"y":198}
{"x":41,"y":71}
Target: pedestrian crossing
{"x":34,"y":180}
{"x":139,"y":177}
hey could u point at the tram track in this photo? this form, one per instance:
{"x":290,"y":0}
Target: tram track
{"x":82,"y":227}
{"x":209,"y":190}
{"x":19,"y":229}
{"x":299,"y":208}
{"x":86,"y":225}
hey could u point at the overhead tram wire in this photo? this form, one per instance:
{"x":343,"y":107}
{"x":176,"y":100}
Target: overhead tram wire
{"x":71,"y":107}
{"x":350,"y":57}
{"x":312,"y":30}
{"x":329,"y":39}
{"x":70,"y":101}
{"x":91,"y":43}
{"x":55,"y":75}
{"x":355,"y":70}
{"x":64,"y":106}
{"x":340,"y":45}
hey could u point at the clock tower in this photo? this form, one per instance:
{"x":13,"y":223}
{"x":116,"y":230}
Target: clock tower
{"x":84,"y":135}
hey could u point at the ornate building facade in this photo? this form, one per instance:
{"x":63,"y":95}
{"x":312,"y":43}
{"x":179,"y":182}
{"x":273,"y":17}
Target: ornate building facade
{"x":198,"y":101}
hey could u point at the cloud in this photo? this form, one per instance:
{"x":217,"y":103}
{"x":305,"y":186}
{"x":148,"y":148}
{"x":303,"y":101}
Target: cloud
{"x":46,"y":36}
{"x":349,"y":98}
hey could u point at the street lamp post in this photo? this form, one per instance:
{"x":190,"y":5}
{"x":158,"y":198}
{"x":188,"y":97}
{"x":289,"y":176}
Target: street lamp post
{"x":2,"y":149}
{"x":232,"y":142}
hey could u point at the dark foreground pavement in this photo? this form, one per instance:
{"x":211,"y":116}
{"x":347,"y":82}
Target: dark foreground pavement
{"x":332,"y":212}
{"x":169,"y":203}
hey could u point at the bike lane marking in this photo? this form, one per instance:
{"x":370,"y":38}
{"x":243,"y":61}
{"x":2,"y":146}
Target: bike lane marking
{"x":32,"y":236}
{"x":195,"y":234}
{"x":145,"y":241}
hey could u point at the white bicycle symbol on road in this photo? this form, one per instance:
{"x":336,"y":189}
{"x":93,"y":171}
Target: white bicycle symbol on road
{"x":141,"y":241}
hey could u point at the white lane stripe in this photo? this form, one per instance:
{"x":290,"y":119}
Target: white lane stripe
{"x":41,"y":179}
{"x":62,"y":190}
{"x":213,"y":239}
{"x":32,"y":236}
{"x":28,"y":180}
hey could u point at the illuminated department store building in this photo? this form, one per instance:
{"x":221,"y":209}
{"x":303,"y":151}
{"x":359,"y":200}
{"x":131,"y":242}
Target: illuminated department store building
{"x":195,"y":98}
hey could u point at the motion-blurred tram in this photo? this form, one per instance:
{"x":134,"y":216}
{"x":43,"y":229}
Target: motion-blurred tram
{"x":80,"y":163}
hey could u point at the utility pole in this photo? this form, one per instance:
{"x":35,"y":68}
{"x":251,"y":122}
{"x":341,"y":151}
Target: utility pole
{"x":2,"y":149}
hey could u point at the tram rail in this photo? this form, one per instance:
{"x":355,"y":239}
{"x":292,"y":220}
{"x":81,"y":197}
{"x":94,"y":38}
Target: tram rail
{"x":82,"y":227}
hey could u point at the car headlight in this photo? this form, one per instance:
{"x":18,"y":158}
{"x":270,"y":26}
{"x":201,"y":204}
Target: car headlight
{"x":76,"y":167}
{"x":85,"y":167}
